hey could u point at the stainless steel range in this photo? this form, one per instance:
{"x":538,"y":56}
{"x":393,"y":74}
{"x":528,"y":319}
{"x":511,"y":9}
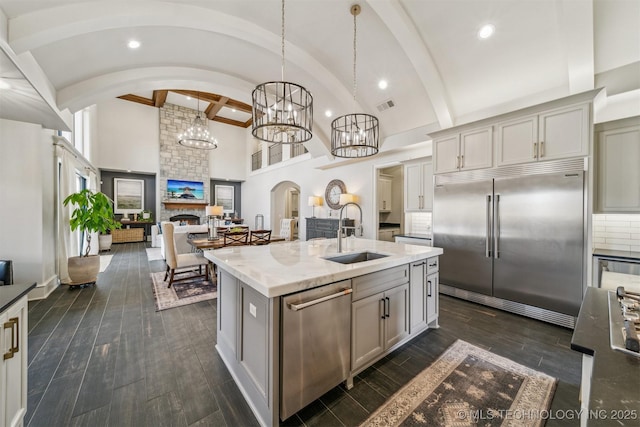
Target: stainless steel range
{"x":624,"y":321}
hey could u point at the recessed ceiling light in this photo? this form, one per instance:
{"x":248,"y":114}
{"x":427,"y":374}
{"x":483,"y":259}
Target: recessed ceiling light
{"x":486,"y":31}
{"x":188,"y":98}
{"x":4,"y":85}
{"x":328,"y":113}
{"x":382,"y":84}
{"x":233,"y":110}
{"x":133,"y":44}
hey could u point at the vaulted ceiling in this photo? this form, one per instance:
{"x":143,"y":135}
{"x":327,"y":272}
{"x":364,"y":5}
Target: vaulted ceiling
{"x":439,"y":73}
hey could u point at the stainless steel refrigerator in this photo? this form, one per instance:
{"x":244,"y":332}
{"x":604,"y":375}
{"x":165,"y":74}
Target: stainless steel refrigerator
{"x":515,"y":238}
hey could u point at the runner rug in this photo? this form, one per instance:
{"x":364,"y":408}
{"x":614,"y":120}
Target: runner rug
{"x":469,"y":386}
{"x":181,"y":293}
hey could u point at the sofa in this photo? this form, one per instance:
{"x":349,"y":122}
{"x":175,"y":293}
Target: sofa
{"x":180,"y":236}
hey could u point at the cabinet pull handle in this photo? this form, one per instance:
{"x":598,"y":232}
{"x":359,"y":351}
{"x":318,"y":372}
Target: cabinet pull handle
{"x":462,"y":161}
{"x":535,"y":150}
{"x":496,"y":228}
{"x":384,"y":308}
{"x":11,"y":324}
{"x":388,"y":306}
{"x":457,"y":162}
{"x":541,"y":148}
{"x":16,"y":320}
{"x":429,"y":288}
{"x":435,"y":264}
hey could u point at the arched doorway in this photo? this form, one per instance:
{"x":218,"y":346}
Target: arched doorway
{"x":285,"y":203}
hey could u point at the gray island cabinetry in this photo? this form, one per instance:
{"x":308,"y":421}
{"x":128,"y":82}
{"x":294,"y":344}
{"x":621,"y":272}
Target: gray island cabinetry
{"x":293,"y":323}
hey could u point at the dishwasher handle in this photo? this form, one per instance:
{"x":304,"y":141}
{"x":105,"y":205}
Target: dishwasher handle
{"x":297,"y":307}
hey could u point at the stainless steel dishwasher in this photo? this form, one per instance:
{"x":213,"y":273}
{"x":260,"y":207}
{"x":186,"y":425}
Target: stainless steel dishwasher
{"x":315,"y":344}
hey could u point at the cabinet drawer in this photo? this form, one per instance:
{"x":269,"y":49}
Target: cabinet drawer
{"x":369,"y":284}
{"x":432,"y":265}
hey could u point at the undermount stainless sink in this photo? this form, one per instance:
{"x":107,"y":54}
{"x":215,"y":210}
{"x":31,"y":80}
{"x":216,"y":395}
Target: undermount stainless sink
{"x":356,"y":257}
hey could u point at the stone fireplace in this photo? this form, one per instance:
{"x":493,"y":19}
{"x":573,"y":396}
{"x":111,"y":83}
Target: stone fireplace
{"x":182,"y":163}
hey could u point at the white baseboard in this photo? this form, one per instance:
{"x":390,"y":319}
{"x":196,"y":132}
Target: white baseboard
{"x":42,"y":290}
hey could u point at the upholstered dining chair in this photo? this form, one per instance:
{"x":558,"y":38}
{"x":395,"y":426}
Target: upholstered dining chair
{"x":176,"y":261}
{"x":260,"y":237}
{"x":236,"y":238}
{"x":6,"y":272}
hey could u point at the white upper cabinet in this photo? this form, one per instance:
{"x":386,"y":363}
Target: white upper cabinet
{"x":418,"y":187}
{"x":466,"y":150}
{"x":564,"y":133}
{"x":516,"y":140}
{"x":446,"y":153}
{"x":551,"y":135}
{"x":384,"y":193}
{"x":618,"y":175}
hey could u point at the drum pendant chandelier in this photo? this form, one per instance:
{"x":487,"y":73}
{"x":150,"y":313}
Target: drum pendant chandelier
{"x":282,"y":111}
{"x":355,"y":135}
{"x":197,"y":135}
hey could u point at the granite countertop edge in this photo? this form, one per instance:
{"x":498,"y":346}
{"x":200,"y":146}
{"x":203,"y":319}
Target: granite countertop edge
{"x":614,"y":383}
{"x":9,"y":294}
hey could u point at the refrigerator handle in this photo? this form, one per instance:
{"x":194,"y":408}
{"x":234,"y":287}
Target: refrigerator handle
{"x":487,"y":245}
{"x":496,"y":228}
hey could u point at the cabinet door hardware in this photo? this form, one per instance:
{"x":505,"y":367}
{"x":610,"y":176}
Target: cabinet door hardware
{"x":384,"y":308}
{"x":11,"y":324}
{"x":388,"y":307}
{"x":535,"y":150}
{"x":434,"y":264}
{"x":429,"y":288}
{"x":457,"y":162}
{"x":462,"y":161}
{"x":541,"y":149}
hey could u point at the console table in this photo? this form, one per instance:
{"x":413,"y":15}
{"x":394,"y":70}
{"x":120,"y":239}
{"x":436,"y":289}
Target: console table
{"x":127,"y":235}
{"x":326,"y":227}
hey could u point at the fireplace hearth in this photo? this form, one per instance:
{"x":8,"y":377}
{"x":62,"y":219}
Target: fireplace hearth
{"x":187,"y":219}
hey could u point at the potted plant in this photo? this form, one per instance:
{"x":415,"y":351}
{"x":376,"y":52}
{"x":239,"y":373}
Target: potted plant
{"x":93,"y":213}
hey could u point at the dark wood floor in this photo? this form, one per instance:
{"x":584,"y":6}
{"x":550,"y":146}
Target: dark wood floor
{"x":103,"y":356}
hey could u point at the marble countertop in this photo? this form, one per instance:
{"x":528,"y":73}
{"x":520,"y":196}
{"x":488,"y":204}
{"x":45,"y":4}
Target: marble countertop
{"x":629,"y":255}
{"x":615,"y":387}
{"x":9,"y":294}
{"x":283,"y":268}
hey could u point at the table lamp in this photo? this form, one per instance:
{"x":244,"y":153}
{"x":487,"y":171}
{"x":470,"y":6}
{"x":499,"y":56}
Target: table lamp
{"x":212,"y":213}
{"x":313,"y":202}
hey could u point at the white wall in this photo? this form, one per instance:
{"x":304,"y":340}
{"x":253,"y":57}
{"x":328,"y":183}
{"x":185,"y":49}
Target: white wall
{"x":26,"y":220}
{"x":128,"y":137}
{"x":229,"y":160}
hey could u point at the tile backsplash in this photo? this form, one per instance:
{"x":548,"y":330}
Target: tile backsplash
{"x":616,"y":231}
{"x":418,"y":223}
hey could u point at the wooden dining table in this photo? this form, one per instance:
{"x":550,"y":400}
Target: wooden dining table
{"x":206,"y":244}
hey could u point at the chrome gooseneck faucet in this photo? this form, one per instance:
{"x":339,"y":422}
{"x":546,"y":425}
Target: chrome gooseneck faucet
{"x":340,"y":227}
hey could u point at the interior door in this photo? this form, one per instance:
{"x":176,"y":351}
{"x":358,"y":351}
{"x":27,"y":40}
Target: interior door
{"x":540,"y":239}
{"x":461,"y":226}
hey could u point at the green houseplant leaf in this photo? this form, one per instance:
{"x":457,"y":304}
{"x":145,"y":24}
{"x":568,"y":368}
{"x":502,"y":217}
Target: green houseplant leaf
{"x":93,"y":212}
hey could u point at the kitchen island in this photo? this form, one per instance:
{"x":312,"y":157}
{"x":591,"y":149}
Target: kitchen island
{"x":384,"y":302}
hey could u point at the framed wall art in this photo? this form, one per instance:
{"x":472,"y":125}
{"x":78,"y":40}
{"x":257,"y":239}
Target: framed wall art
{"x":224,"y":196}
{"x":128,"y":195}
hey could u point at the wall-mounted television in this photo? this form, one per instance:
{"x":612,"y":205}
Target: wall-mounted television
{"x":189,"y":190}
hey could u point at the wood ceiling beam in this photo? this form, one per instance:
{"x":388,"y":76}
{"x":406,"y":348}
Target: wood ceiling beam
{"x":139,"y":99}
{"x":214,"y":108}
{"x":229,"y":121}
{"x":248,"y":122}
{"x":159,"y":98}
{"x":241,"y":106}
{"x":203,"y":96}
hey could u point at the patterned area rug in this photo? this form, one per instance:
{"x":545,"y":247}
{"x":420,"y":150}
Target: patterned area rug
{"x":469,"y":386}
{"x":181,"y":293}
